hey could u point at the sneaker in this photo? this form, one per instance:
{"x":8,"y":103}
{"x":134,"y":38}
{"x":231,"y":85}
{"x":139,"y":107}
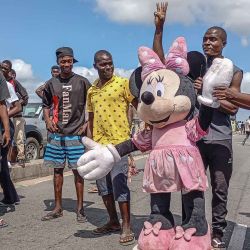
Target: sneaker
{"x":217,"y":242}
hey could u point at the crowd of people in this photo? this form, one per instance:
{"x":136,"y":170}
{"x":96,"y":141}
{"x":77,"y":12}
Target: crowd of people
{"x":74,"y":108}
{"x":240,"y":127}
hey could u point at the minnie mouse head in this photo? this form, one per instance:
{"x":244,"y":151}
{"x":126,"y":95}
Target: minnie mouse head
{"x":164,"y":96}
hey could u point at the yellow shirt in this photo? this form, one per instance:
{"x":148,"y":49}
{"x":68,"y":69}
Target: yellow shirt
{"x":110,"y":107}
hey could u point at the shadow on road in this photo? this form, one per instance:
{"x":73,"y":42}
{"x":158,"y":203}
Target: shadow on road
{"x":87,"y":234}
{"x":96,"y":215}
{"x":68,"y":204}
{"x":8,"y":208}
{"x":247,"y":240}
{"x":246,"y":214}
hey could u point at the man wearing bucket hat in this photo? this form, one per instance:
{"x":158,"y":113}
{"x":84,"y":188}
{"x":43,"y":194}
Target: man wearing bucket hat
{"x":67,"y":94}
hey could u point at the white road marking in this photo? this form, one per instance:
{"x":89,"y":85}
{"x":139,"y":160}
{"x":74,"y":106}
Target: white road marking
{"x":39,"y":180}
{"x":238,"y":237}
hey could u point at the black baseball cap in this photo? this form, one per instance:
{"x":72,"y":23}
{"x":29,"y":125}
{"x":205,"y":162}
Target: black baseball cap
{"x":65,"y":51}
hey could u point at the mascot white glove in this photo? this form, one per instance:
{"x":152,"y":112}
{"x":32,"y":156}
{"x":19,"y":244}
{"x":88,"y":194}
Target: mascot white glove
{"x":219,"y":74}
{"x":98,"y":161}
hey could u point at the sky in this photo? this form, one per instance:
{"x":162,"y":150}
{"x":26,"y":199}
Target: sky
{"x":33,"y":29}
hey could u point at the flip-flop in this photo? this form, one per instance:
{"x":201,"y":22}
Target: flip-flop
{"x":3,"y":223}
{"x":81,"y":217}
{"x":106,"y":229}
{"x":93,"y":190}
{"x":52,"y":215}
{"x":127,"y":239}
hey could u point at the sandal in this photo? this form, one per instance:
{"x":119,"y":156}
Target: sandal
{"x":3,"y":223}
{"x":21,"y":162}
{"x":106,"y":229}
{"x":127,"y":239}
{"x":52,"y":215}
{"x":93,"y":190}
{"x":81,"y":217}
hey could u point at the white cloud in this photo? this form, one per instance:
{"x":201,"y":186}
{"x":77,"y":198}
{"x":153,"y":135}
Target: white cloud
{"x":127,"y":11}
{"x":23,"y":70}
{"x":91,"y":74}
{"x":26,"y":77}
{"x":123,"y":72}
{"x":231,"y":14}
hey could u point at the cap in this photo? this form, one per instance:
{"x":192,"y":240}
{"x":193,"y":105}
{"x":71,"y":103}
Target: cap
{"x":65,"y":51}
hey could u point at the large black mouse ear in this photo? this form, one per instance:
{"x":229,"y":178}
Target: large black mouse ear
{"x":197,"y":64}
{"x":135,"y":82}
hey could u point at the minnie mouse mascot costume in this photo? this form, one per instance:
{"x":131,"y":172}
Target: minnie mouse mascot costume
{"x":166,"y":101}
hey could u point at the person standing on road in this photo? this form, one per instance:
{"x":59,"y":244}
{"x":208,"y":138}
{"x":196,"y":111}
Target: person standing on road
{"x":55,"y":72}
{"x":10,"y":196}
{"x":216,"y":147}
{"x":4,"y":125}
{"x":67,"y":93}
{"x":242,"y":128}
{"x":108,"y":103}
{"x":247,"y":130}
{"x":18,"y":120}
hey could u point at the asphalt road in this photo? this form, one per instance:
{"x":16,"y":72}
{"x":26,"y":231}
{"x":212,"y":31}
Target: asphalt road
{"x":27,"y":231}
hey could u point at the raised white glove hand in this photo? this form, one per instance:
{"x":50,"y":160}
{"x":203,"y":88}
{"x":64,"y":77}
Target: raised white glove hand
{"x":98,"y":161}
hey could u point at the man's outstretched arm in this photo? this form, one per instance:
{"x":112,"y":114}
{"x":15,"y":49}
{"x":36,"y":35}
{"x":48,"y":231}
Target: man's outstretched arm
{"x":242,"y":100}
{"x":226,"y":106}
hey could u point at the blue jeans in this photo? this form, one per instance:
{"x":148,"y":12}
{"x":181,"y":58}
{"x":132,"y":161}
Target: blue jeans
{"x":116,"y":182}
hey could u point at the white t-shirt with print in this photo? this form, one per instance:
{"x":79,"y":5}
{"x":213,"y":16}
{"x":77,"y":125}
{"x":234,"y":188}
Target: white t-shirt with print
{"x":13,"y":96}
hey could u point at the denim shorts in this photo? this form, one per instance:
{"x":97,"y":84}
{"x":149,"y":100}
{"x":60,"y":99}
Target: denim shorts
{"x":116,"y":182}
{"x":62,"y":149}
